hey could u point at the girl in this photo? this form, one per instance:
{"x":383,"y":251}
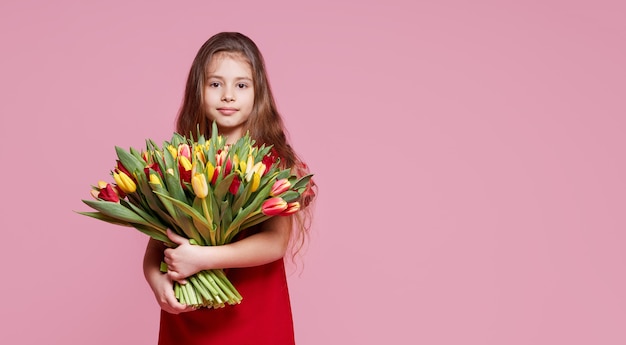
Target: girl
{"x":228,"y":84}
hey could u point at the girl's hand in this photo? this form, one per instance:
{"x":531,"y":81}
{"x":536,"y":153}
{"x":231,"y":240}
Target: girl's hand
{"x":184,"y":260}
{"x":163,"y":289}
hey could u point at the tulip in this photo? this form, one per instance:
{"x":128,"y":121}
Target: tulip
{"x":120,"y":167}
{"x":184,"y":151}
{"x":256,"y":182}
{"x":229,"y":166}
{"x":145,"y":156}
{"x":154,"y":167}
{"x":220,"y":156}
{"x":210,"y":171}
{"x":172,"y":151}
{"x":200,"y":154}
{"x":247,"y":166}
{"x":95,"y":193}
{"x":270,"y":158}
{"x":108,"y":194}
{"x":216,"y":173}
{"x":154,"y":179}
{"x":258,"y":168}
{"x":273,"y":206}
{"x":292,"y":208}
{"x":280,"y":186}
{"x":124,"y":182}
{"x":184,"y":168}
{"x":234,"y":186}
{"x":199,"y":185}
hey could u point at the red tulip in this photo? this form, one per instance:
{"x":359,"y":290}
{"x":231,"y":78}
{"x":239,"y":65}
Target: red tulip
{"x":108,"y":194}
{"x":234,"y":186}
{"x":229,"y":166}
{"x":280,"y":186}
{"x":292,"y":208}
{"x":216,"y":173}
{"x":184,"y":169}
{"x":271,"y":158}
{"x":273,"y":206}
{"x":153,"y":166}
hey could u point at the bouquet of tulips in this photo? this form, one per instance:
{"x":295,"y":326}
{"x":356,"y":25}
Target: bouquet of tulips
{"x":203,"y":190}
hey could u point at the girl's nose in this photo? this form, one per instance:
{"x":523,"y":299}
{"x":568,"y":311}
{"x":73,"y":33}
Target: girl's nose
{"x":227,"y":96}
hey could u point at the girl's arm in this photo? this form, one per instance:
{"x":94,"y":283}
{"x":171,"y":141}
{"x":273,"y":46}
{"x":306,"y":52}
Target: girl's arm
{"x":159,"y":282}
{"x":269,"y":245}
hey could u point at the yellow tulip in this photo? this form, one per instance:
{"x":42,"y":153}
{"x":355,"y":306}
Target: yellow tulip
{"x":256,"y":181}
{"x":185,"y":162}
{"x":173,"y":151}
{"x":124,"y":182}
{"x":154,"y":179}
{"x":199,"y":185}
{"x":235,"y":161}
{"x":210,"y":170}
{"x":200,"y":154}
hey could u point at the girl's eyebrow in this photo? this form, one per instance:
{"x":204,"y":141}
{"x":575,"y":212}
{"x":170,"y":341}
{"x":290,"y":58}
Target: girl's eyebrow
{"x":222,"y":78}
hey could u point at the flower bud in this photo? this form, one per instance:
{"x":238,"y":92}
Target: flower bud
{"x":124,"y":182}
{"x":280,"y":186}
{"x":108,"y":194}
{"x":184,"y":151}
{"x":273,"y":206}
{"x":172,"y":151}
{"x":155,"y":180}
{"x":199,"y":185}
{"x":292,"y":208}
{"x":256,"y":181}
{"x":234,"y":186}
{"x":184,"y":169}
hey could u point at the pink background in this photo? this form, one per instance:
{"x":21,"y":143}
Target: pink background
{"x":470,"y":157}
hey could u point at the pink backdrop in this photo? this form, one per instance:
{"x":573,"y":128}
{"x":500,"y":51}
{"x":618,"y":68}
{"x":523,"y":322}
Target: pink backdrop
{"x":470,"y":156}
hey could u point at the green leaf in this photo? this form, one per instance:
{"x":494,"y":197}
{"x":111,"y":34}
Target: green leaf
{"x":188,"y":210}
{"x":255,"y":205}
{"x":103,"y":217}
{"x":221,"y":187}
{"x":302,"y":182}
{"x":145,"y":215}
{"x":129,"y":161}
{"x":243,"y":196}
{"x":118,"y":211}
{"x":174,"y":187}
{"x":290,"y":196}
{"x":283,"y":174}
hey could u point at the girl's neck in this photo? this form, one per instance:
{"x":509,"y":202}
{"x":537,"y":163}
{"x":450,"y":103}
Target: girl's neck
{"x":230,"y":136}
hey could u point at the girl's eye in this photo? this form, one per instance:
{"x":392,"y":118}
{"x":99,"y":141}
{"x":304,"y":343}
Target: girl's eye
{"x":242,"y":85}
{"x":214,"y":84}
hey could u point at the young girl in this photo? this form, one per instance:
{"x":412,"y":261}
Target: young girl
{"x":228,"y":84}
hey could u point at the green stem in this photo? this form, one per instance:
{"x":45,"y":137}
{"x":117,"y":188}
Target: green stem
{"x":224,"y":288}
{"x":200,"y":288}
{"x":222,"y":275}
{"x":212,"y":232}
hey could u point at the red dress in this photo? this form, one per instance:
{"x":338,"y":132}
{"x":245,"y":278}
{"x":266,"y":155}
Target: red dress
{"x":263,"y":317}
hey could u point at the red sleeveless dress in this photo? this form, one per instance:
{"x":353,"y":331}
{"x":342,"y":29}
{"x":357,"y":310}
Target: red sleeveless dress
{"x":263,"y":317}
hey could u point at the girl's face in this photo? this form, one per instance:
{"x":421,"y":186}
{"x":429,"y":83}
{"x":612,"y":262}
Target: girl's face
{"x":228,"y":95}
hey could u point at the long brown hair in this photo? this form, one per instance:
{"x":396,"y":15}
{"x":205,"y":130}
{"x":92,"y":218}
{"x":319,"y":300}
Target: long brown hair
{"x":264,"y":124}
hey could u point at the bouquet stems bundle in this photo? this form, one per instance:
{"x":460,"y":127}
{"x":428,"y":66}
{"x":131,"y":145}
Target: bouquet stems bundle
{"x":203,"y":190}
